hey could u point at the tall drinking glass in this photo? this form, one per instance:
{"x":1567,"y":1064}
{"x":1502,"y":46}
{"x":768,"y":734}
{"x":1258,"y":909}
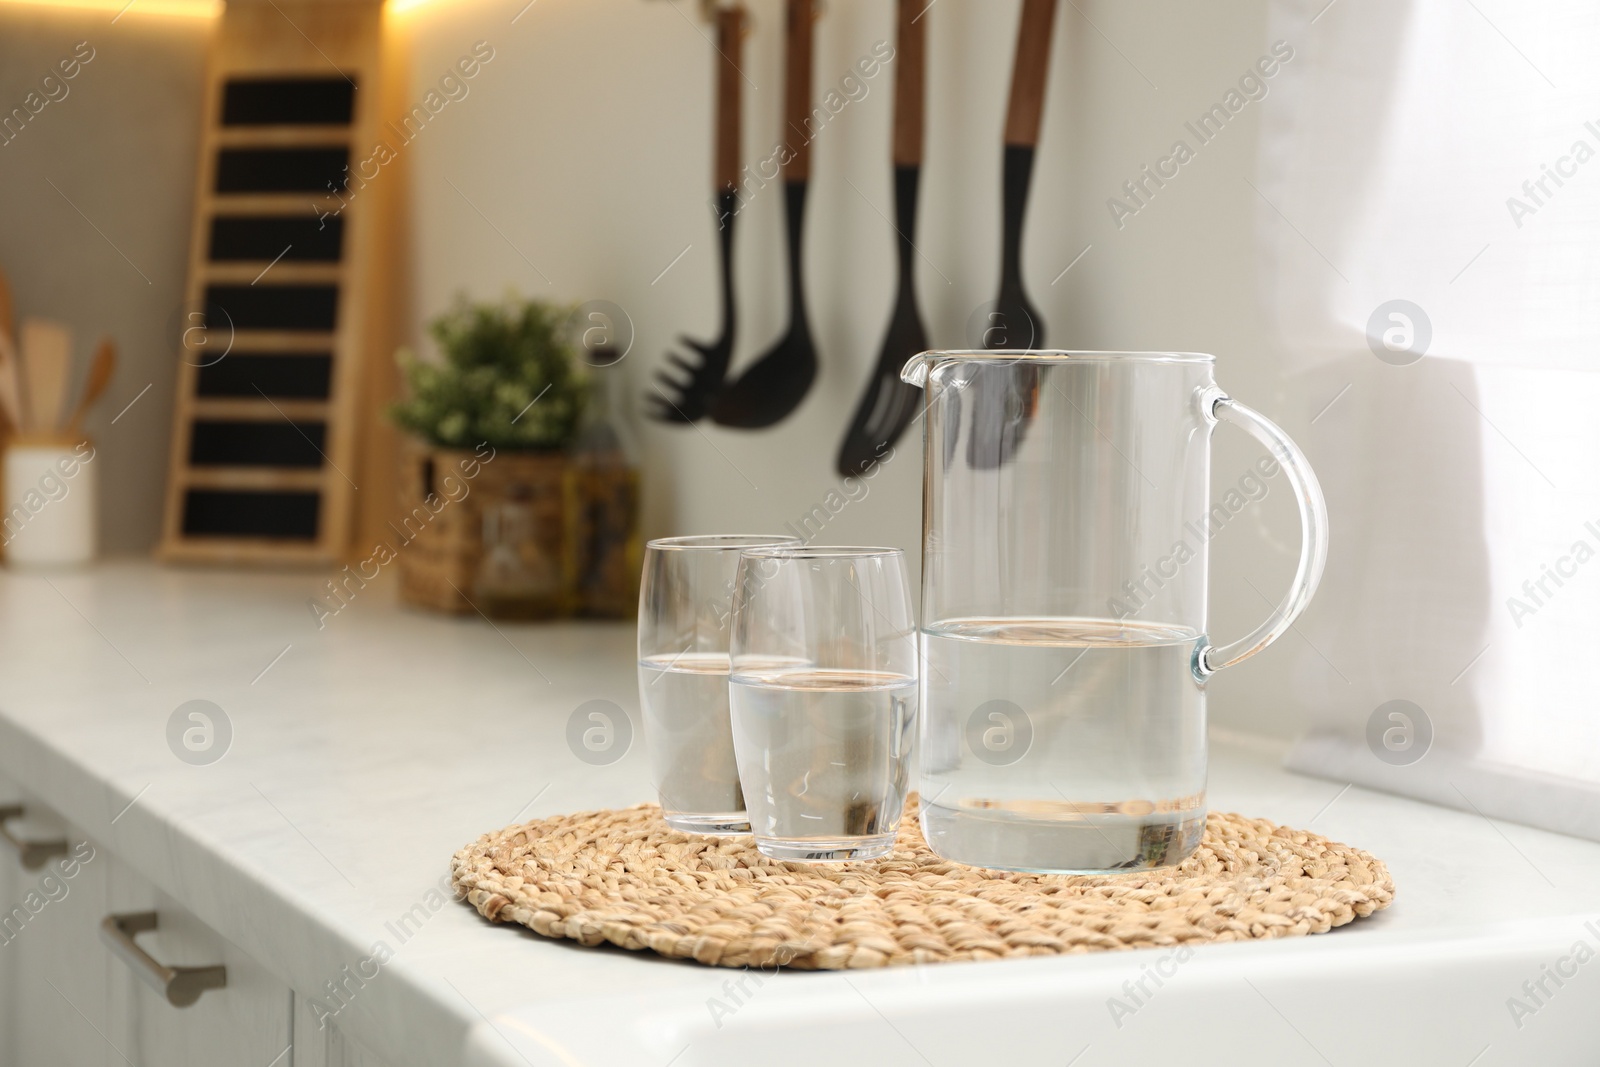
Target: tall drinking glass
{"x":823,"y":694}
{"x":685,"y":605}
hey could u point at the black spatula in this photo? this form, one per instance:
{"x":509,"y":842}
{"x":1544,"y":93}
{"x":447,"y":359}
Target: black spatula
{"x":889,"y":404}
{"x":775,"y":384}
{"x":689,"y":396}
{"x":1003,"y":410}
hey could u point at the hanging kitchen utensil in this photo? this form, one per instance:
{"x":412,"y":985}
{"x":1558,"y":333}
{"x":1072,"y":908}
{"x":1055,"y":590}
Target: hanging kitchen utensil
{"x":889,"y":404}
{"x":101,"y":368}
{"x":1014,"y":323}
{"x":677,"y":399}
{"x":774,"y":385}
{"x":8,"y":322}
{"x":10,"y":387}
{"x":10,"y":384}
{"x":46,"y":367}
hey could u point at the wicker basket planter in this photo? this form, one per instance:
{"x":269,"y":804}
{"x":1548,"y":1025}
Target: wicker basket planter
{"x":442,"y":495}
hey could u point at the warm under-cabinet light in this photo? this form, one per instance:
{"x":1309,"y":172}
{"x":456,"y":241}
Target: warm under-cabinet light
{"x":203,"y":9}
{"x":397,"y":7}
{"x":187,"y":8}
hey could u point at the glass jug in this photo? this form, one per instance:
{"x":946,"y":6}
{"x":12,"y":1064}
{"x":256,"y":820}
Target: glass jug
{"x":1066,"y":518}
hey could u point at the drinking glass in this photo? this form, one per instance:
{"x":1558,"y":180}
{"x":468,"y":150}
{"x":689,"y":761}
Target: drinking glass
{"x":685,"y":603}
{"x":823,"y":693}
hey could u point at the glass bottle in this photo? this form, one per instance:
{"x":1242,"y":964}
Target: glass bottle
{"x":516,"y":579}
{"x":604,"y":548}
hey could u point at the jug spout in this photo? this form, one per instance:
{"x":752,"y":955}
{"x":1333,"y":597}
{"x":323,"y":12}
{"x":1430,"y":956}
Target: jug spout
{"x":915,"y":372}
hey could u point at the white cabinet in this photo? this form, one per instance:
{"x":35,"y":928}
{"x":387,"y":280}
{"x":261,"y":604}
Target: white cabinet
{"x":67,"y":999}
{"x":326,"y":1046}
{"x":56,"y":983}
{"x":8,"y":959}
{"x":244,"y":1024}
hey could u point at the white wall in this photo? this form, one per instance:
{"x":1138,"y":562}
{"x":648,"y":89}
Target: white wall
{"x":108,"y":251}
{"x":585,"y":145}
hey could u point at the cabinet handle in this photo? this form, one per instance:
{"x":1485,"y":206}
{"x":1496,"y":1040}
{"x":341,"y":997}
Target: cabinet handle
{"x":31,"y":854}
{"x":181,"y":986}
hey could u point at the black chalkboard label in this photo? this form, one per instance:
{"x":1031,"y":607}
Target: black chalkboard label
{"x":290,"y":238}
{"x":281,"y":170}
{"x":288,"y":102}
{"x":271,"y":443}
{"x":287,"y":376}
{"x":251,"y":513}
{"x":273,"y":307}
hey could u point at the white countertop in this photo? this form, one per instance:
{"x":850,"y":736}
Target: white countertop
{"x":374,"y":748}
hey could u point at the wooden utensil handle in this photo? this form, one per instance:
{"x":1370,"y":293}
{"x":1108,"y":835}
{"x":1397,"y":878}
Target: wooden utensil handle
{"x":910,"y":63}
{"x":8,"y":323}
{"x":731,"y":23}
{"x":10,"y":384}
{"x":1029,"y":73}
{"x":801,"y":16}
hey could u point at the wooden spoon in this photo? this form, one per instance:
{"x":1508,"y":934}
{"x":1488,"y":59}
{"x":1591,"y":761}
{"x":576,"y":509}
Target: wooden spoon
{"x":10,"y":390}
{"x":8,"y":322}
{"x":101,"y":368}
{"x":46,"y":366}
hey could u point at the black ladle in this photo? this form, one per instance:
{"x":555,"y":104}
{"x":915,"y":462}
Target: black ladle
{"x":774,"y":384}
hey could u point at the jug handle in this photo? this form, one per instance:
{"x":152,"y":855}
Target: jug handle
{"x":1313,"y":535}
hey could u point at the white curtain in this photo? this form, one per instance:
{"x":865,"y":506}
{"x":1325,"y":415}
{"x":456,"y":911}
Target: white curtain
{"x":1446,"y":153}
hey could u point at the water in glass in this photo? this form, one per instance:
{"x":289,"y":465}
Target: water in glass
{"x":685,"y":704}
{"x":1060,"y":744}
{"x":829,"y":748}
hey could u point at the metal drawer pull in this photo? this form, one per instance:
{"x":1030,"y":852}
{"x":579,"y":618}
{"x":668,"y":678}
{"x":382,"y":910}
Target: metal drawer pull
{"x":181,"y":986}
{"x":31,"y":854}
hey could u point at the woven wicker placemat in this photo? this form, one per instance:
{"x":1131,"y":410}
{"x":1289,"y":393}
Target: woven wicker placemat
{"x":626,"y":878}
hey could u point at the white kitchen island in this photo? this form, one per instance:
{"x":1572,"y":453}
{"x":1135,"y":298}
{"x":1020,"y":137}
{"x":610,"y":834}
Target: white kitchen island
{"x":311,"y":861}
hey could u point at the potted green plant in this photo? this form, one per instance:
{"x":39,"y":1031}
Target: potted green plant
{"x":489,"y":422}
{"x":508,"y":378}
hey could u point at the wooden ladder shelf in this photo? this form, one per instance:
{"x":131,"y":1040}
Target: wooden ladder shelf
{"x":267,"y":426}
